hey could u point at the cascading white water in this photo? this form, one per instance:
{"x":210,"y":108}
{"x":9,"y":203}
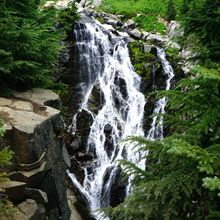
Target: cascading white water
{"x":156,"y":130}
{"x":106,"y":65}
{"x":122,"y":109}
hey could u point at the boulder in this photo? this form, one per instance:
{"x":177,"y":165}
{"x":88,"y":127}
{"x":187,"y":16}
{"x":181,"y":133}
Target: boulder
{"x":157,"y":38}
{"x":112,"y":22}
{"x":174,"y":45}
{"x":82,"y":3}
{"x":29,"y":210}
{"x":32,"y":178}
{"x":129,"y":24}
{"x":41,"y":97}
{"x":135,"y":33}
{"x":38,"y":195}
{"x":88,"y":3}
{"x":5,"y":102}
{"x":145,"y":35}
{"x":31,"y":132}
{"x":147,"y":48}
{"x":97,"y":3}
{"x":21,"y":105}
{"x":84,"y":156}
{"x":175,"y":30}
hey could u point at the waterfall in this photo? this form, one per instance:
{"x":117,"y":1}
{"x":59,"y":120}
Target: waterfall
{"x":156,"y":130}
{"x":107,"y":75}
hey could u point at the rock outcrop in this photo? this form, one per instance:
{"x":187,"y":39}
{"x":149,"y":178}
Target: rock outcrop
{"x":34,"y":131}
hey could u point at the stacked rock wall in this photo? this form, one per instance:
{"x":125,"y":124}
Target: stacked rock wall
{"x":34,"y":132}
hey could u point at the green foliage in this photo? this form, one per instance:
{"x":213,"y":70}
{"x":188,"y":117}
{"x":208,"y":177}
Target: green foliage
{"x":29,"y":46}
{"x":1,"y":129}
{"x":66,"y":17}
{"x":171,"y":187}
{"x":131,"y":7}
{"x":150,"y":23}
{"x":203,"y":19}
{"x":194,"y":107}
{"x":171,"y":11}
{"x":185,"y":6}
{"x":140,"y":59}
{"x":29,"y":43}
{"x":6,"y":208}
{"x":5,"y":155}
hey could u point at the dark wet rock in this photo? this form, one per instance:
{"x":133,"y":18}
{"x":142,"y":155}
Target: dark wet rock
{"x":31,"y":177}
{"x":118,"y":189}
{"x":122,"y":86}
{"x":114,"y":190}
{"x":109,"y":144}
{"x":160,"y":78}
{"x":75,"y":145}
{"x":84,"y":122}
{"x":84,"y":156}
{"x":107,"y":129}
{"x":96,"y":99}
{"x":36,"y":194}
{"x":13,"y":189}
{"x":148,"y":113}
{"x":77,"y":169}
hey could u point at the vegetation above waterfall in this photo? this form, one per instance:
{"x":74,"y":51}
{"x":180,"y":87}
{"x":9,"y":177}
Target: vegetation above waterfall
{"x":200,"y":18}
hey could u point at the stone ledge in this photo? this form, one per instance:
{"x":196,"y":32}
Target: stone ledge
{"x":40,"y":96}
{"x":13,"y":189}
{"x":32,"y":178}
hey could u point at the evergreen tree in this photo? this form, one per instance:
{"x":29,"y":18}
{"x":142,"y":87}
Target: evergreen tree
{"x":171,"y":11}
{"x":182,"y":178}
{"x":29,"y":44}
{"x":203,"y":20}
{"x":185,"y":7}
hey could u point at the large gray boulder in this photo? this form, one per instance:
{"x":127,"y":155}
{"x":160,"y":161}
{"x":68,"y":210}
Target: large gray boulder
{"x":135,"y":33}
{"x":29,"y":210}
{"x":40,"y":96}
{"x":174,"y":30}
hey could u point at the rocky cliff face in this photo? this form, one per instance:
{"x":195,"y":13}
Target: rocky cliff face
{"x":34,"y":131}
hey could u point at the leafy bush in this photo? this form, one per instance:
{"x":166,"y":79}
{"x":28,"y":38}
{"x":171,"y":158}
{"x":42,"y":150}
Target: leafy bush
{"x":131,"y":7}
{"x":150,"y":23}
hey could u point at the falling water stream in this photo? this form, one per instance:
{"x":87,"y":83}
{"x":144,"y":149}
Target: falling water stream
{"x":105,"y":64}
